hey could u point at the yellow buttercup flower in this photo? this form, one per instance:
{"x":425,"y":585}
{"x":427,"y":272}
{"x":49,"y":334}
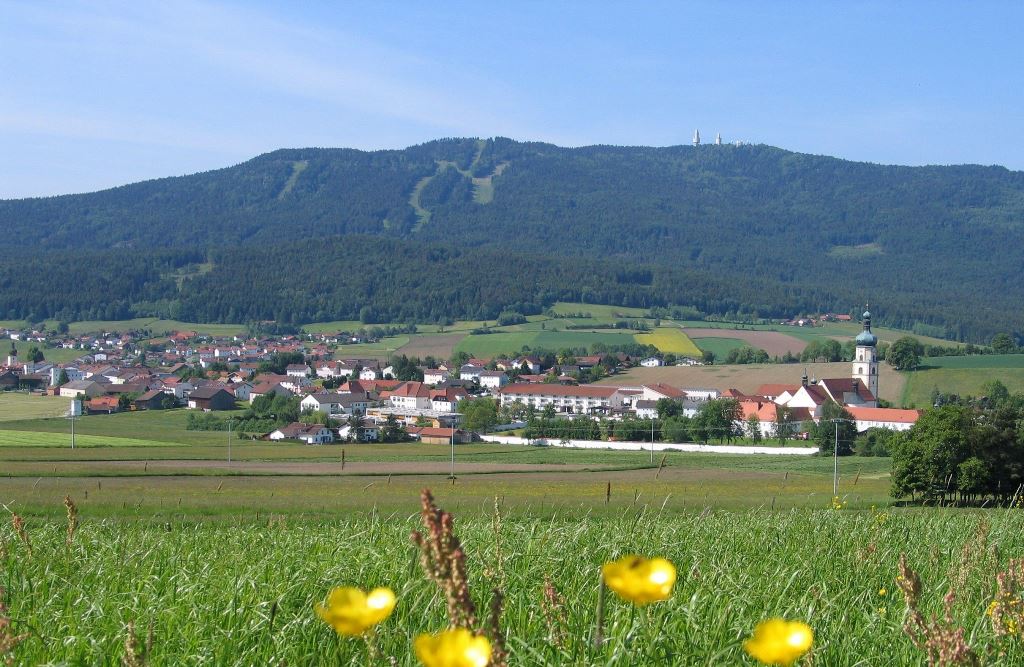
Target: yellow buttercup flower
{"x":883,"y":592}
{"x":779,"y":642}
{"x":352,"y":612}
{"x":453,"y":648}
{"x":640,"y":580}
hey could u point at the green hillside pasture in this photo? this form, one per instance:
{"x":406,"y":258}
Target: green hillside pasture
{"x":720,"y":346}
{"x":491,"y":345}
{"x":382,"y":349}
{"x":963,"y":381}
{"x":156,"y":325}
{"x":40,"y":439}
{"x":150,"y":425}
{"x":20,"y":405}
{"x":60,"y":355}
{"x":599,"y":312}
{"x":512,"y":342}
{"x":210,"y":601}
{"x":975,"y":361}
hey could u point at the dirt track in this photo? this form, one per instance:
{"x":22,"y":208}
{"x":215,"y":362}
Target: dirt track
{"x":172,"y":466}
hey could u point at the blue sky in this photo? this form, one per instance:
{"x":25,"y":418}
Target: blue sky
{"x":94,"y":95}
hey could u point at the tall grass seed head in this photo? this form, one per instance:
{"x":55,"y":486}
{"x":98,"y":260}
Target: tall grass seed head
{"x":640,"y":580}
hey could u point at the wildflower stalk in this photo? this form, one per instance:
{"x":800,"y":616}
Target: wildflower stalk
{"x":599,"y":617}
{"x":941,"y":640}
{"x":72,"y":519}
{"x":8,"y":639}
{"x":19,"y":528}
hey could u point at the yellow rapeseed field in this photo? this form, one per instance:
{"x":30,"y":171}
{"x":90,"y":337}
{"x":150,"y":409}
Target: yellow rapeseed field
{"x":670,"y":339}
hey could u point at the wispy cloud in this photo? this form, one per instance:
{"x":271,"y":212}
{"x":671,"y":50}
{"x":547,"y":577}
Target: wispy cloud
{"x":325,"y":68}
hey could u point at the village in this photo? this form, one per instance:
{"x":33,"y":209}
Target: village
{"x":368,"y":400}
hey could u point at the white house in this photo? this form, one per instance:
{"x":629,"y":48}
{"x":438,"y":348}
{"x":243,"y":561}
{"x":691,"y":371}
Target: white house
{"x":411,"y":396}
{"x":447,"y":399}
{"x":469,"y":372}
{"x":327,"y":403}
{"x":651,"y":362}
{"x":890,"y":418}
{"x":368,"y":433}
{"x":297,"y":370}
{"x":435,"y":376}
{"x":311,"y":434}
{"x":492,"y":379}
{"x":586,"y":399}
{"x":86,"y":388}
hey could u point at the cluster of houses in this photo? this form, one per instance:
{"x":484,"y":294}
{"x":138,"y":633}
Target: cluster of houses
{"x":365,"y":395}
{"x":770,"y":403}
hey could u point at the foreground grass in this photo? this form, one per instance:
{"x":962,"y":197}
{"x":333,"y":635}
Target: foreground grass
{"x":242,"y":593}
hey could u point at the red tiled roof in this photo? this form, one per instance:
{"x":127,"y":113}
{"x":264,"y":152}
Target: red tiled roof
{"x":774,"y":390}
{"x":666,"y":390}
{"x":885,"y":415}
{"x":836,"y":387}
{"x":411,"y":389}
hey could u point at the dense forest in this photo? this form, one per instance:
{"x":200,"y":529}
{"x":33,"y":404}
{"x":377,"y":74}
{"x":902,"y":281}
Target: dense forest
{"x":462,"y":228}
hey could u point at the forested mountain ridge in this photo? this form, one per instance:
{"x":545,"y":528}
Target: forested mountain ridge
{"x":742,"y":228}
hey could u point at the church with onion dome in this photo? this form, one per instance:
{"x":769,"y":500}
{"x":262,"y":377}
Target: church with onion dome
{"x":865,"y":358}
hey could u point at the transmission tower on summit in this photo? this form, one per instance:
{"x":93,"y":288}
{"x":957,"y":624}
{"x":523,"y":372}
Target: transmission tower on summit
{"x":696,"y":137}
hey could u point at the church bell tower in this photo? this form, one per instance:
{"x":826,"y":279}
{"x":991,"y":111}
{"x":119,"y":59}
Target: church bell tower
{"x":865,"y":359}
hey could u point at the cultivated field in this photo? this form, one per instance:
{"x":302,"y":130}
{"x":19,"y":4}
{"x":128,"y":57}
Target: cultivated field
{"x":748,"y":378}
{"x":772,"y":342}
{"x":439,"y":346}
{"x":670,"y":339}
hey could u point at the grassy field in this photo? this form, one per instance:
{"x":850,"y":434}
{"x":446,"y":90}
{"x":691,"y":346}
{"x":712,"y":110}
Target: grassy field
{"x":170,"y":529}
{"x":209,"y":601}
{"x":156,"y":325}
{"x":598,"y":312}
{"x":963,"y":381}
{"x":720,"y":346}
{"x":512,"y":342}
{"x":670,"y":339}
{"x":382,"y":349}
{"x":16,"y":405}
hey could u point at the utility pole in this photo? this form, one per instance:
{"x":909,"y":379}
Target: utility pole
{"x":229,"y":440}
{"x":652,"y":441}
{"x":453,"y":453}
{"x":835,"y":462}
{"x":835,"y":457}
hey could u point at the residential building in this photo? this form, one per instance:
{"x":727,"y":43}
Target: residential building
{"x":588,"y":399}
{"x":492,"y":379}
{"x":211,"y":398}
{"x":311,"y":434}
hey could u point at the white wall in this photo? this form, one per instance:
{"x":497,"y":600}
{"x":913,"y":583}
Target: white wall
{"x":658,"y":446}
